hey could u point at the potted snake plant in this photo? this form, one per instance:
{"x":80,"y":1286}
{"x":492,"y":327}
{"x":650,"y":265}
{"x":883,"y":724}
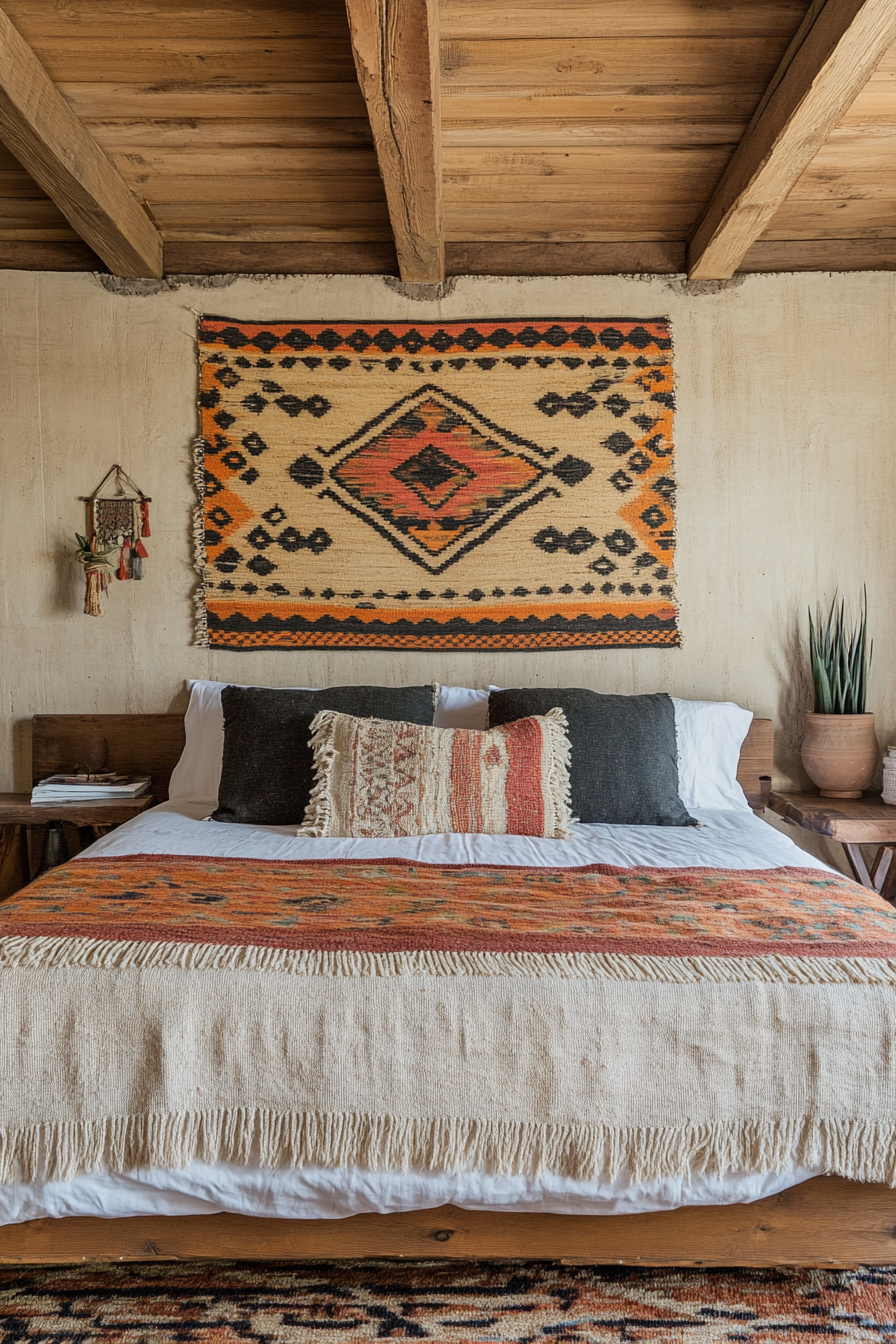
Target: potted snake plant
{"x":840,"y":752}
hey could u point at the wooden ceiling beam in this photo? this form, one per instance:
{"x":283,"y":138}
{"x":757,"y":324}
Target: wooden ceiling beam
{"x":41,"y":130}
{"x":830,"y":60}
{"x":396,"y":50}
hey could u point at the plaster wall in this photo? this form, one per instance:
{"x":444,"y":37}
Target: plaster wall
{"x":785,"y":462}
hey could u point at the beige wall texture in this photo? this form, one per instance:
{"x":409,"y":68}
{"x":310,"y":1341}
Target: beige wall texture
{"x":784,"y":456}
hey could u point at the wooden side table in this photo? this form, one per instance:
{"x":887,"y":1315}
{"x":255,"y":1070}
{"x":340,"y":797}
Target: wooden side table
{"x":93,"y":817}
{"x":852,"y":822}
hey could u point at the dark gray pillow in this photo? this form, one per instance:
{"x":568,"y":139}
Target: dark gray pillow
{"x":268,"y":768}
{"x":624,"y":753}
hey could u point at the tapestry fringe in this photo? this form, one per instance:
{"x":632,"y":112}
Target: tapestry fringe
{"x":200,"y":560}
{"x":859,"y":1150}
{"x":102,"y":954}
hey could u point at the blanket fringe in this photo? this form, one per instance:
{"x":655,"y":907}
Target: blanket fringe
{"x":859,"y":1150}
{"x":102,"y":954}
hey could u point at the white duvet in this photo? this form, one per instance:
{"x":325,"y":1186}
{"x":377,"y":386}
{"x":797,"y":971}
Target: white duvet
{"x":730,"y":839}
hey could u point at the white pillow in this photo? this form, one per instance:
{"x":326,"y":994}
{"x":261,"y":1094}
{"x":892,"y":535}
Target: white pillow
{"x":461,"y":707}
{"x":197,"y":776}
{"x":710,"y":734}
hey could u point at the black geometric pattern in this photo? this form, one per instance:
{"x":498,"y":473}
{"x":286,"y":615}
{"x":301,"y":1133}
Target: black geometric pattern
{"x":619,"y":542}
{"x":572,"y":470}
{"x":228,"y":560}
{"x":440,"y":340}
{"x":654,"y":516}
{"x":254,"y":444}
{"x":603,"y":565}
{"x":574,"y":543}
{"x":619,"y":443}
{"x":261,"y":565}
{"x":305,"y":471}
{"x":577,"y":403}
{"x":316,"y":542}
{"x":433,"y":475}
{"x":617,"y":405}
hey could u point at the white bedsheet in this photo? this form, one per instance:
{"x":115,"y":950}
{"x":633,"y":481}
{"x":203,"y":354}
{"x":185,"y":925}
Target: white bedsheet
{"x":722,"y":840}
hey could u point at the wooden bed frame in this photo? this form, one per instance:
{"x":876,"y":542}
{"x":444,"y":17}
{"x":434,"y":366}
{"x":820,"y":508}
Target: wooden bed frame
{"x":826,"y":1221}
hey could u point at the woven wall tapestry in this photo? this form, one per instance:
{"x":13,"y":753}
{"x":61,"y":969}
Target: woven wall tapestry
{"x":481,"y":485}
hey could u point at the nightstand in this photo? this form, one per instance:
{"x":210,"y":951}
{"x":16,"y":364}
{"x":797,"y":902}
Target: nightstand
{"x":93,"y":817}
{"x":852,"y":822}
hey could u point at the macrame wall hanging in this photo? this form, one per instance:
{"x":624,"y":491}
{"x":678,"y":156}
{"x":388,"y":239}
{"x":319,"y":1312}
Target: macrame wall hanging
{"x":117,"y":522}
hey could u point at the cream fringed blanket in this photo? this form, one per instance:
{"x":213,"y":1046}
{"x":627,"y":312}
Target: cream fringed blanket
{"x":390,"y":1014}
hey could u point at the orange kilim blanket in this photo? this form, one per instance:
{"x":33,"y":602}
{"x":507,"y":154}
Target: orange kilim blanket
{"x":361,"y":905}
{"x":157,"y":1010}
{"x":485,"y":485}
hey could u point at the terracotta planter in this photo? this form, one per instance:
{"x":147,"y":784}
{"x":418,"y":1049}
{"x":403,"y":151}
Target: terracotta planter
{"x":840,"y":753}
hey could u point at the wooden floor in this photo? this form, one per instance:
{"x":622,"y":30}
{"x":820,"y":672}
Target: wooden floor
{"x":826,"y":1221}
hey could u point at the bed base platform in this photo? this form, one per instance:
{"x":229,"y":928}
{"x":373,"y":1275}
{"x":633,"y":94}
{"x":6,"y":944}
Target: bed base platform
{"x":825,"y":1222}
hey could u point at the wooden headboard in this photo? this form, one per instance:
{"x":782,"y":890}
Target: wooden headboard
{"x":148,"y":744}
{"x":754,"y":770}
{"x":152,"y":744}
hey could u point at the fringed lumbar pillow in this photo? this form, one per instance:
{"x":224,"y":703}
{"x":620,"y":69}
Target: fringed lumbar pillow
{"x":380,"y":778}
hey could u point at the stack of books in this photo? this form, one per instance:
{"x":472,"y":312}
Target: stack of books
{"x":80,"y":788}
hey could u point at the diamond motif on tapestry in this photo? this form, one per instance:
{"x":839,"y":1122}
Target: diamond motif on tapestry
{"x":429,"y":456}
{"x":433,"y":475}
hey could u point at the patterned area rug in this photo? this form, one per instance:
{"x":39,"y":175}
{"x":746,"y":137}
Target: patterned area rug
{"x":466,"y":1303}
{"x":499,"y":485}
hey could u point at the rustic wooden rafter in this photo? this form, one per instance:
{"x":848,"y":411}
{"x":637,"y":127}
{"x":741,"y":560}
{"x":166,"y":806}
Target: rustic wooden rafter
{"x":833,"y":55}
{"x":40,"y":129}
{"x":396,"y":49}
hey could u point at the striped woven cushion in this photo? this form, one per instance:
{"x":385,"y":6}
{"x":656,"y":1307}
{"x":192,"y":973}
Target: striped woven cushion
{"x":375,"y":777}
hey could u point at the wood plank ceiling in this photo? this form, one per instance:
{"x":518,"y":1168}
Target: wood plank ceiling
{"x":562,"y":137}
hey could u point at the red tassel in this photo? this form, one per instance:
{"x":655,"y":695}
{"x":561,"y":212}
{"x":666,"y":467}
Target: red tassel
{"x":144,"y":516}
{"x":140,"y":549}
{"x":122,"y":566}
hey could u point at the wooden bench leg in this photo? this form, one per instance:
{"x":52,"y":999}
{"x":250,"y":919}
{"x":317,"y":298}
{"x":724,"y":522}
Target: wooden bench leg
{"x":858,"y":865}
{"x":882,"y":875}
